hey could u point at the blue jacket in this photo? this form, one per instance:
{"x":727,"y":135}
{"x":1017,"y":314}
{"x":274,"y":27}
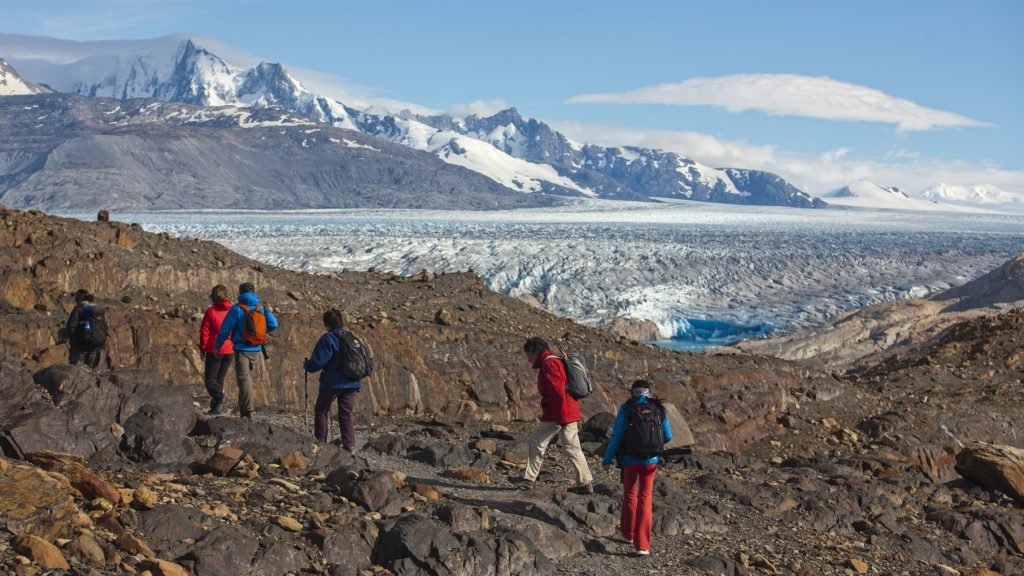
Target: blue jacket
{"x":330,"y":379}
{"x":234,"y":324}
{"x":619,"y":432}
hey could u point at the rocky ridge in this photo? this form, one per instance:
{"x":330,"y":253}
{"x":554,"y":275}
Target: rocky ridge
{"x":862,"y":338}
{"x":794,"y":471}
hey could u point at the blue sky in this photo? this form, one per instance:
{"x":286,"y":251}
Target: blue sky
{"x":919,"y":90}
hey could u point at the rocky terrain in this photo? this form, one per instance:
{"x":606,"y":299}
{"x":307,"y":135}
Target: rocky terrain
{"x":907,"y":468}
{"x":864,"y":337}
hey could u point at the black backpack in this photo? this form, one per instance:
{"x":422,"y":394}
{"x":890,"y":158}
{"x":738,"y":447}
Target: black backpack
{"x":91,"y":332}
{"x":353,"y":359}
{"x":645,"y":436}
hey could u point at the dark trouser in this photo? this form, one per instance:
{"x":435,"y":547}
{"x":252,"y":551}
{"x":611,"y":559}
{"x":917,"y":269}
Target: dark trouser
{"x":346,"y":405}
{"x":90,"y":358}
{"x":216,"y":371}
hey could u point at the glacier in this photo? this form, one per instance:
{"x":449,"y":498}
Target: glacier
{"x":702,"y":272}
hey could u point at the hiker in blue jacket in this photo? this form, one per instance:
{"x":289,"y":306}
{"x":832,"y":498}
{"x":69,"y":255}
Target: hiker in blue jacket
{"x":333,"y":383}
{"x":638,"y":469}
{"x":248,"y":344}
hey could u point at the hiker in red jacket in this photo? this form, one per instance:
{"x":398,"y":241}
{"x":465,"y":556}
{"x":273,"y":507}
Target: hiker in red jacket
{"x":217,"y":361}
{"x":560,"y":416}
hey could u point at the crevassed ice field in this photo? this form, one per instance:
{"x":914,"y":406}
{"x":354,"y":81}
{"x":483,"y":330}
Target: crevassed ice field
{"x":706,"y":274}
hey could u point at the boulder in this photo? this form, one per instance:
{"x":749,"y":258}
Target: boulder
{"x":35,"y":503}
{"x":295,"y":461}
{"x":267,"y":443}
{"x":288,"y":523}
{"x":467,"y":474}
{"x":224,"y":551}
{"x":997,"y":467}
{"x":415,"y":545}
{"x":988,"y":529}
{"x":88,"y":551}
{"x":132,"y":544}
{"x":598,"y":427}
{"x":91,"y":485}
{"x":441,"y":455}
{"x":350,"y":546}
{"x":46,"y":555}
{"x":154,"y":434}
{"x":634,"y":329}
{"x":372,"y":491}
{"x":224,"y":460}
{"x":168,"y":527}
{"x":682,"y":436}
{"x":280,"y":557}
{"x":19,"y":392}
{"x":158,"y":567}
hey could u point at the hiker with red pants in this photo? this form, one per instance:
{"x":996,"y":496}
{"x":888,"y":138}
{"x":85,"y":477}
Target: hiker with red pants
{"x":639,"y":436}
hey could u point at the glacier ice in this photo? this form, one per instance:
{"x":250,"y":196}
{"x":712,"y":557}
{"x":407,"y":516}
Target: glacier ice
{"x":720,"y":268}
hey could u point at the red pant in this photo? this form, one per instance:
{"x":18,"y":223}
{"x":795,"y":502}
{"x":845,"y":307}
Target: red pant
{"x":637,"y":510}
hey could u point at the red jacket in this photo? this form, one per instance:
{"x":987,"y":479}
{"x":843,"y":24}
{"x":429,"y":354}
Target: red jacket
{"x":558,"y":406}
{"x":210,"y":326}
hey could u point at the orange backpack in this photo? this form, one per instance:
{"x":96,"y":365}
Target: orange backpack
{"x":254,"y":333}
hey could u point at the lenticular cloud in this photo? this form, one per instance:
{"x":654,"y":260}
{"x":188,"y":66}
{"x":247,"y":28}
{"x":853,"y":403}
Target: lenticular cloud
{"x":789,"y":95}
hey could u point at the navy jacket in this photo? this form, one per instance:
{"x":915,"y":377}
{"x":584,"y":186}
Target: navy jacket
{"x":330,"y":379}
{"x":234,"y":324}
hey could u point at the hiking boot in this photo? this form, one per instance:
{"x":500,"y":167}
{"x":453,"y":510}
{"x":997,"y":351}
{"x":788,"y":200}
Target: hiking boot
{"x":216,"y":407}
{"x":587,"y":488}
{"x":523,"y":483}
{"x":247,"y":415}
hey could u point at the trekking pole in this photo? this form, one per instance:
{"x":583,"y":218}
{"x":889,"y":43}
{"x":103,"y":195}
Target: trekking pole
{"x":305,"y":401}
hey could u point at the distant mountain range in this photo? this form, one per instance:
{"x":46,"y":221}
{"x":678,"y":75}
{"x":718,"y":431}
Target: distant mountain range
{"x":70,"y":152}
{"x":866,"y":194}
{"x":518,"y":154}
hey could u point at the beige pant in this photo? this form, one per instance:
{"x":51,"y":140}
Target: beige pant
{"x":247,"y":363}
{"x":568,"y":437}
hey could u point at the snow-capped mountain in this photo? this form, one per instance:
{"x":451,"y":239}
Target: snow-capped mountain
{"x":982,"y":194}
{"x":524,"y":155}
{"x":624,"y":172}
{"x":70,"y":152}
{"x":866,"y":194}
{"x":11,"y":84}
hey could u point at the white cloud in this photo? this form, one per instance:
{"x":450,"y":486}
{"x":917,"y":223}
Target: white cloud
{"x":482,"y":108}
{"x":816,"y":173}
{"x":789,"y":95}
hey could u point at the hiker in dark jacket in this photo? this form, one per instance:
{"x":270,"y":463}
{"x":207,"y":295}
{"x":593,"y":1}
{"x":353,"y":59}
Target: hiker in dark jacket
{"x":333,"y":384}
{"x":560,"y":417}
{"x":216,"y":360}
{"x":83,"y":300}
{"x":638,"y":471}
{"x":248,"y":356}
{"x":86,"y":331}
